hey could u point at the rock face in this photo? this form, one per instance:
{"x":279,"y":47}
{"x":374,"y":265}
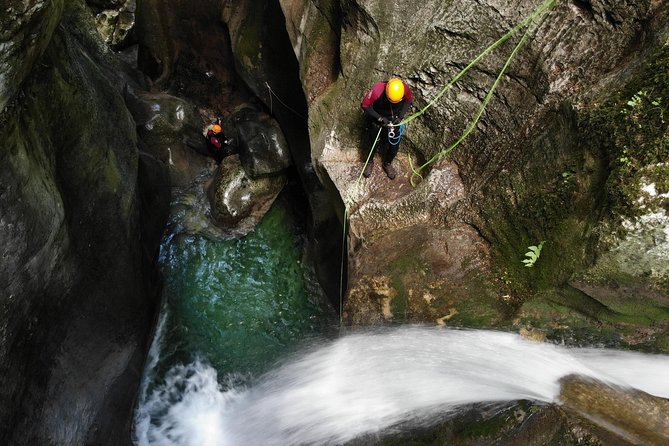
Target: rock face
{"x":27,"y":28}
{"x":82,"y":213}
{"x":450,"y":250}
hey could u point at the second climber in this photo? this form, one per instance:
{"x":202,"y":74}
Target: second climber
{"x":385,"y":106}
{"x":216,"y":142}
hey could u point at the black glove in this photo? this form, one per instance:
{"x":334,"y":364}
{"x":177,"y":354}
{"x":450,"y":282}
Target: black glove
{"x":397,"y":120}
{"x":383,"y":120}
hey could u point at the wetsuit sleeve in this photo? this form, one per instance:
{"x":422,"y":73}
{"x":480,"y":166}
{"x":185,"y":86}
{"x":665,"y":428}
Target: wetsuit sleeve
{"x":408,"y":100}
{"x":371,"y":97}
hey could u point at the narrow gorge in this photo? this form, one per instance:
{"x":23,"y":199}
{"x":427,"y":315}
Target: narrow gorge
{"x":151,"y":295}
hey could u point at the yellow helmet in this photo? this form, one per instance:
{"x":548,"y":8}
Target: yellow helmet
{"x":395,"y":90}
{"x":217,"y":128}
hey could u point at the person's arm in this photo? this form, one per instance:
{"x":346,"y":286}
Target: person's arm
{"x":369,"y":99}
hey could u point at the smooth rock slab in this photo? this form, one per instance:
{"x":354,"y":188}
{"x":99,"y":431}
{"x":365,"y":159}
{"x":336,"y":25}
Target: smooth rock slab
{"x":239,"y":201}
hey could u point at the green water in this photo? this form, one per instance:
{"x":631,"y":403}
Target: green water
{"x":239,"y":304}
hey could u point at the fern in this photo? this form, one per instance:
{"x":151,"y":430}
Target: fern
{"x":532,"y":255}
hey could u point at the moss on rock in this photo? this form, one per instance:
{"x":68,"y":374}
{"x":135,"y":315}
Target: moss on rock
{"x":631,"y":128}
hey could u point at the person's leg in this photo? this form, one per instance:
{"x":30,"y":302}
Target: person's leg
{"x":389,"y":155}
{"x":371,"y":131}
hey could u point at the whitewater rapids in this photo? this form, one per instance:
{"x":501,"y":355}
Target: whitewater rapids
{"x":366,"y":383}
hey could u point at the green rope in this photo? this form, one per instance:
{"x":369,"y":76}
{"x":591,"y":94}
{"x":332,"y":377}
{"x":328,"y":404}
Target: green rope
{"x":544,"y":8}
{"x":369,"y":156}
{"x":477,"y":117}
{"x":484,"y":104}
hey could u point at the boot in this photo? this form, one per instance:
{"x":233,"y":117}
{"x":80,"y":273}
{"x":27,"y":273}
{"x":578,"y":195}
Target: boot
{"x":390,"y":170}
{"x":368,"y":168}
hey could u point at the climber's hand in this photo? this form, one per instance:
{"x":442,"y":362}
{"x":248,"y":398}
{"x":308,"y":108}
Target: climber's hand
{"x":383,"y":120}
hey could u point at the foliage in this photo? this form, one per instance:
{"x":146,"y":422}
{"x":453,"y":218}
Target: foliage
{"x":630,"y":128}
{"x":533,"y":254}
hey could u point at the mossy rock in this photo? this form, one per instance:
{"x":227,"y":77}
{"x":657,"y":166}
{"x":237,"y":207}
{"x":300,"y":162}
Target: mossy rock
{"x":239,"y":201}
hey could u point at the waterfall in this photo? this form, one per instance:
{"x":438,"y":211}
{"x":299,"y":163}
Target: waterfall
{"x":369,"y":382}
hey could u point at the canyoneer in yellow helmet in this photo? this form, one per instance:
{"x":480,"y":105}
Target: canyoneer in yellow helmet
{"x":385,"y":105}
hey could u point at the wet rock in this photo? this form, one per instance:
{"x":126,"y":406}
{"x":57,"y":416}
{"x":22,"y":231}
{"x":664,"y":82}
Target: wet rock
{"x":635,"y":417}
{"x":240,"y":201}
{"x":263,"y":150}
{"x":115,"y":20}
{"x":171,"y":130}
{"x":155,"y":34}
{"x":78,"y":257}
{"x":369,"y":303}
{"x":27,"y":27}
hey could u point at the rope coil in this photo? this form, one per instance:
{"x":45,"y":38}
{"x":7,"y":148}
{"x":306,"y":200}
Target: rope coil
{"x":393,"y":137}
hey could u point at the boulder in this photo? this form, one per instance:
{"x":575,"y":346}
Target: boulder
{"x":636,"y":417}
{"x":239,"y":201}
{"x":171,"y":130}
{"x":263,"y":150}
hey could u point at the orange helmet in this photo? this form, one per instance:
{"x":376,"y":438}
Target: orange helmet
{"x":395,"y":90}
{"x":217,"y":128}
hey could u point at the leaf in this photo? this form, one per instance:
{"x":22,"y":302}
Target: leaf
{"x":631,"y":103}
{"x":530,"y":254}
{"x":534,"y":249}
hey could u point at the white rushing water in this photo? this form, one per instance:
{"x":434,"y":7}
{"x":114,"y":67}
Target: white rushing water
{"x":361,"y":384}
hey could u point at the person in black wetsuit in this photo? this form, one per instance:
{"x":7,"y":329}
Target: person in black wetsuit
{"x":384,"y":105}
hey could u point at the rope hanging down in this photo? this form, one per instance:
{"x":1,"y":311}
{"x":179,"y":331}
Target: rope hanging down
{"x":271,"y":93}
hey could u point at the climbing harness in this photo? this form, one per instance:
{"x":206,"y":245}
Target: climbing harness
{"x":395,"y":137}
